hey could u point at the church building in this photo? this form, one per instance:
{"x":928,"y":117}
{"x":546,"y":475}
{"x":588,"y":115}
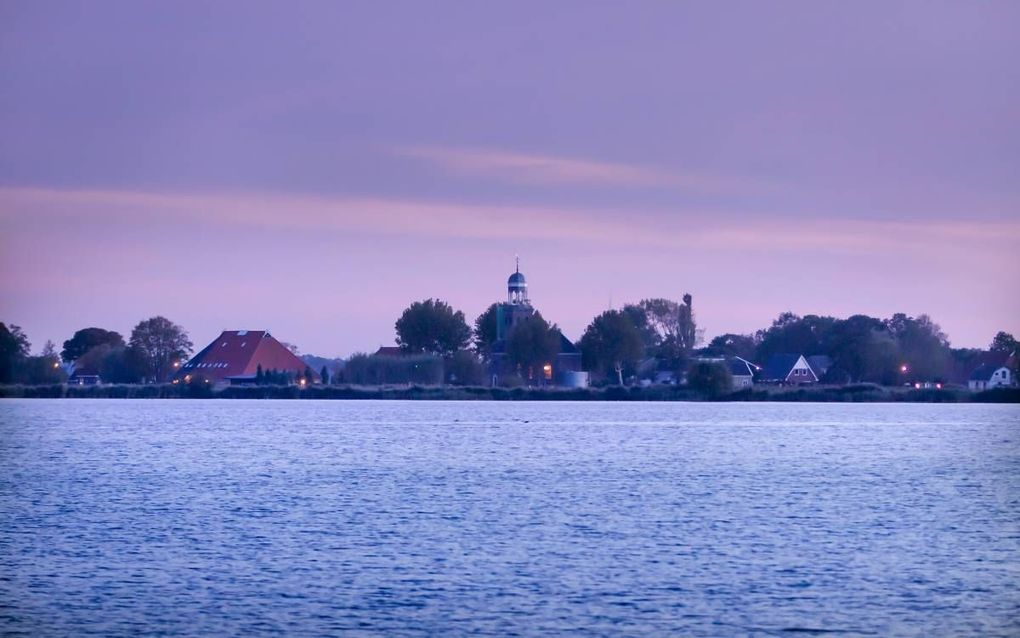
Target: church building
{"x":562,"y":369}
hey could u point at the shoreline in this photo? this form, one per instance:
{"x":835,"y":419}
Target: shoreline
{"x":862,"y":393}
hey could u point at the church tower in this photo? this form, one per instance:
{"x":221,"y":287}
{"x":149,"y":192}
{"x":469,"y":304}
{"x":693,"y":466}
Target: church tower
{"x":517,"y":306}
{"x":517,"y":287}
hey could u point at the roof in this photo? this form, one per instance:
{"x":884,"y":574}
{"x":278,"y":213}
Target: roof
{"x":389,"y":351}
{"x":239,"y":353}
{"x":985,"y":371}
{"x":517,"y":279}
{"x":739,"y":368}
{"x":566,"y":346}
{"x":779,"y":366}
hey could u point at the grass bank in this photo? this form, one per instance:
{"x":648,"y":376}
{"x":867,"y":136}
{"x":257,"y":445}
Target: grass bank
{"x":864,"y":393}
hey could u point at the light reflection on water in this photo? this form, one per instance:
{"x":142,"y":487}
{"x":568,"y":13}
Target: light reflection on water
{"x":401,"y":518}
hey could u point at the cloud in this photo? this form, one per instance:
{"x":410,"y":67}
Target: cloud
{"x":692,"y":230}
{"x":547,"y":169}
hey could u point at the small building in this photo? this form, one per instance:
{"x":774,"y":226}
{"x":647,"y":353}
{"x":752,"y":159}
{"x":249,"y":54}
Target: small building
{"x":785,"y":368}
{"x":742,"y":372}
{"x":83,"y":376}
{"x":988,"y":376}
{"x":235,"y":357}
{"x":78,"y":374}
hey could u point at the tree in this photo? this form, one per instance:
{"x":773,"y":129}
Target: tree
{"x":324,"y":373}
{"x":863,"y":349}
{"x":49,"y":349}
{"x":160,"y":343}
{"x":612,"y":342}
{"x":1004,"y":343}
{"x":485,"y":331}
{"x":464,"y":368}
{"x":922,"y":345}
{"x":791,"y":333}
{"x":649,"y":335}
{"x":41,"y":370}
{"x":14,"y":349}
{"x":432,"y":326}
{"x":733,"y":345}
{"x":113,"y":364}
{"x":678,"y":332}
{"x":714,"y":379}
{"x":86,"y":339}
{"x":531,"y":344}
{"x":260,"y":375}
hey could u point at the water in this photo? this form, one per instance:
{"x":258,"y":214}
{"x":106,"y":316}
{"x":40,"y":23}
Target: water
{"x":390,"y":518}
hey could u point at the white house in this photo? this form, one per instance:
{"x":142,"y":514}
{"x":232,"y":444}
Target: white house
{"x":987,"y":376}
{"x":742,"y":372}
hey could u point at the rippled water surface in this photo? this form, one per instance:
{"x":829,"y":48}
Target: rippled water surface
{"x":391,"y":518}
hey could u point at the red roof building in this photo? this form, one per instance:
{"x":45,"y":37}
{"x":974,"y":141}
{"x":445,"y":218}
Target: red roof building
{"x":235,"y":357}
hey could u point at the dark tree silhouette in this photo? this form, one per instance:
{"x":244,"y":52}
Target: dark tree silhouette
{"x":612,"y":342}
{"x":160,"y":343}
{"x":87,"y":338}
{"x":485,"y":332}
{"x":531,"y":344}
{"x":432,"y":326}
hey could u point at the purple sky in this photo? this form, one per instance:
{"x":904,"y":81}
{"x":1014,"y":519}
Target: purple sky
{"x":314,"y":170}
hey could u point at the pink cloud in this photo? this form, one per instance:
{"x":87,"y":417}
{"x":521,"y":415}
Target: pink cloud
{"x":547,"y":169}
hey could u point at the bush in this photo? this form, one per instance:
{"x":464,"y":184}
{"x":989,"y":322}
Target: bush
{"x":365,"y":369}
{"x":713,"y":379}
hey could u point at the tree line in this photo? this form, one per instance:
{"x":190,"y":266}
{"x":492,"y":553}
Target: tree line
{"x":611,"y":346}
{"x":637,"y":341}
{"x":864,"y":349}
{"x":155,"y":347}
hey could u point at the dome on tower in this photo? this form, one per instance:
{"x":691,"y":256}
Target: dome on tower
{"x":517,"y":280}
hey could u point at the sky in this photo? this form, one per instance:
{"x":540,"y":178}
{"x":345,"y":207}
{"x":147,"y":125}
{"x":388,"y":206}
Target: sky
{"x":312,"y":168}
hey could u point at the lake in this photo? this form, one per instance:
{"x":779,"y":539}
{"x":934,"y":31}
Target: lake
{"x":220,"y":517}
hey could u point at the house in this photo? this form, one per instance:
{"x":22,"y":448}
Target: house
{"x":83,"y":375}
{"x":788,"y":368}
{"x":87,"y":375}
{"x":820,"y":364}
{"x":742,"y":372}
{"x":235,"y":357}
{"x":564,"y":368}
{"x":987,"y":376}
